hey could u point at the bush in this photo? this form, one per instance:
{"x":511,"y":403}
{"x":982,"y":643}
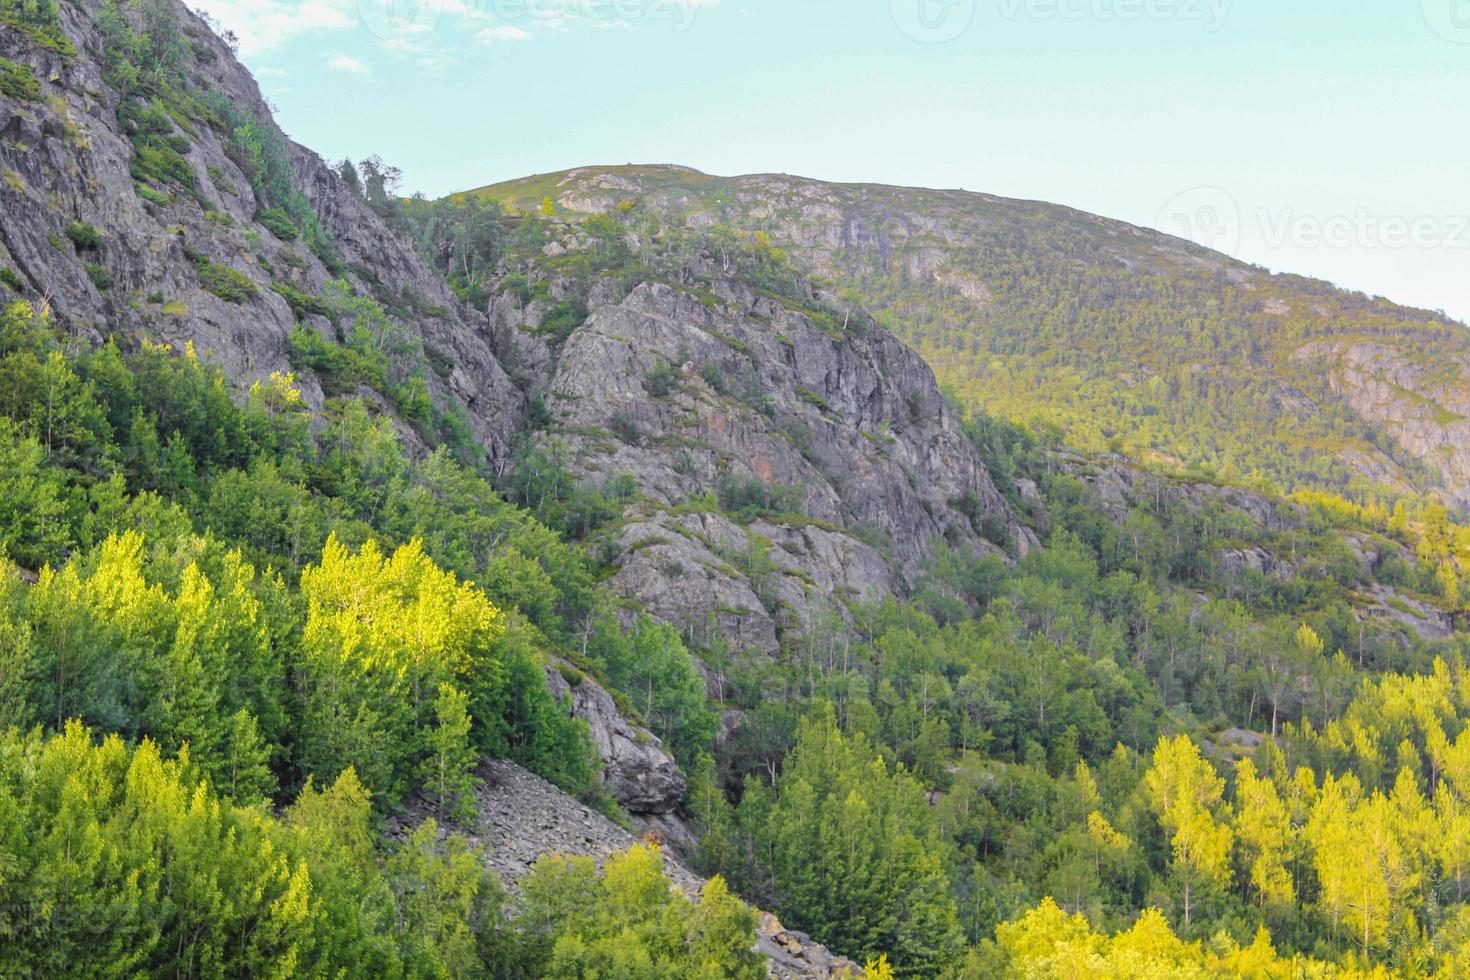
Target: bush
{"x":228,"y":284}
{"x":83,"y":235}
{"x":715,"y":377}
{"x":661,"y":381}
{"x":626,"y":428}
{"x":302,"y":304}
{"x":156,"y":162}
{"x":749,"y":498}
{"x":18,"y":81}
{"x":101,"y":278}
{"x":278,"y":223}
{"x":151,"y":195}
{"x":220,"y":181}
{"x":339,"y":369}
{"x":12,"y":279}
{"x":564,"y":319}
{"x":40,"y":22}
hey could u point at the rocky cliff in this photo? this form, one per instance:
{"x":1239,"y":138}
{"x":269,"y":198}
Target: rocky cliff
{"x":712,"y":399}
{"x":154,"y":270}
{"x":1113,"y":332}
{"x":780,"y":460}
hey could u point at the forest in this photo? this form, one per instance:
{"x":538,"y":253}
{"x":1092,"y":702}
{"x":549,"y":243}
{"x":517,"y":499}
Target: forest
{"x":239,"y":635}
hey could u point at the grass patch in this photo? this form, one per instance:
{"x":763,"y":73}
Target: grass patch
{"x":815,"y":400}
{"x":83,"y":235}
{"x":18,"y":81}
{"x":151,"y":194}
{"x":99,"y":275}
{"x":278,"y":223}
{"x":228,"y":284}
{"x":302,"y":304}
{"x":12,"y":279}
{"x":48,"y":36}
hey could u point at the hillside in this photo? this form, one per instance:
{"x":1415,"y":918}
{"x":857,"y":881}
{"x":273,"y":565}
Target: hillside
{"x":1121,"y":337}
{"x":593,"y":585}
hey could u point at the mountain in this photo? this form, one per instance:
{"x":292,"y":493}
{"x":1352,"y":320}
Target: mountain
{"x":200,"y":223}
{"x":1121,"y":337}
{"x":540,"y":582}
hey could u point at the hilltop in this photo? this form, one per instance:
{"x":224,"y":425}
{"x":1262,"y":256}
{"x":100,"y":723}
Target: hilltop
{"x":1122,"y":338}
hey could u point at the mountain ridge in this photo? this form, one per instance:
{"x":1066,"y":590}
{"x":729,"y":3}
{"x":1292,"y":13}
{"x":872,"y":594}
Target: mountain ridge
{"x":1053,"y":316}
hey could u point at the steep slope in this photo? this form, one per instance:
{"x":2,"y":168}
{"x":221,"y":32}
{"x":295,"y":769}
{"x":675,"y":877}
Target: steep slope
{"x":184,"y":253}
{"x":253,"y":251}
{"x":1120,"y":336}
{"x":783,"y":467}
{"x":520,"y":817}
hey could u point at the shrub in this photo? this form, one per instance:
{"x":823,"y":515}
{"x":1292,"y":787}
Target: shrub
{"x":340,"y":369}
{"x":40,"y":23}
{"x":625,"y":427}
{"x":157,"y":162}
{"x":302,"y":304}
{"x":715,"y":377}
{"x":18,"y":81}
{"x":749,"y":498}
{"x":661,"y":380}
{"x":220,"y":181}
{"x":83,"y":235}
{"x":151,"y":195}
{"x":12,"y":279}
{"x":815,"y":400}
{"x":278,"y":223}
{"x":563,"y":320}
{"x":101,"y":278}
{"x":228,"y":284}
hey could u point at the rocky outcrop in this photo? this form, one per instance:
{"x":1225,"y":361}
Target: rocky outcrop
{"x":1266,"y":550}
{"x":1413,"y":615}
{"x":64,"y":157}
{"x":520,"y":818}
{"x":637,"y":768}
{"x":1424,"y":401}
{"x":839,"y":421}
{"x":953,"y":259}
{"x":841,"y":438}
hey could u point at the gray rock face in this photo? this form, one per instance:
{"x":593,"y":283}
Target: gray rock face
{"x":639,"y":770}
{"x":520,"y":818}
{"x":1425,"y":404}
{"x":1411,"y":380}
{"x":846,"y":427}
{"x":65,"y":158}
{"x":849,"y":431}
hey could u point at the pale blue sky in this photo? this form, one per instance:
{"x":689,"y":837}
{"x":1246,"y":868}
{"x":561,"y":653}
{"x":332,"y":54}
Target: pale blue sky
{"x":1325,"y":138}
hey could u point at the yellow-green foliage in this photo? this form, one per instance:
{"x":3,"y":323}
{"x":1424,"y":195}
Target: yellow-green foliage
{"x":18,"y":81}
{"x":389,"y":647}
{"x":228,"y":284}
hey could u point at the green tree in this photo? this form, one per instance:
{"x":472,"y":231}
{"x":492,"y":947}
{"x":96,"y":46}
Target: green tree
{"x":853,"y":853}
{"x":1186,"y":792}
